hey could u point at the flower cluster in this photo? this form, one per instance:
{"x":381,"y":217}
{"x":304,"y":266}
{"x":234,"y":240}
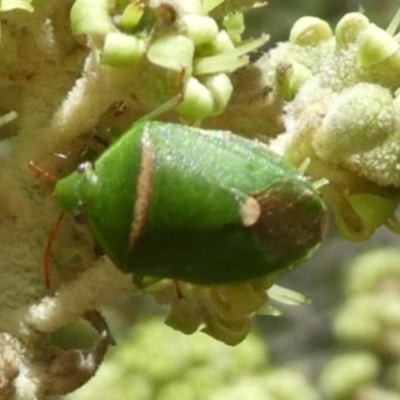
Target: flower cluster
{"x":155,"y":41}
{"x":342,"y":115}
{"x":224,"y":312}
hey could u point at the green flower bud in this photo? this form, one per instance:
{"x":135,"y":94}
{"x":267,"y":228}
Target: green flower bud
{"x":291,"y":78}
{"x":182,"y":318}
{"x":221,"y":88}
{"x":360,"y":119}
{"x":371,"y":320}
{"x":376,"y":46}
{"x":372,"y":210}
{"x":276,"y":385}
{"x":389,"y":314}
{"x":310,"y":31}
{"x":189,"y":6}
{"x":179,"y":390}
{"x":380,"y":165}
{"x":222,"y":43}
{"x":199,"y":28}
{"x":234,"y":24}
{"x":182,"y":48}
{"x":229,"y":332}
{"x":245,"y":388}
{"x":131,"y":16}
{"x":345,"y":374}
{"x":236,"y":300}
{"x":350,"y":27}
{"x":91,"y":17}
{"x":351,"y":227}
{"x":197,"y":102}
{"x":121,"y":50}
{"x":8,"y":5}
{"x":372,"y":269}
{"x":357,"y":322}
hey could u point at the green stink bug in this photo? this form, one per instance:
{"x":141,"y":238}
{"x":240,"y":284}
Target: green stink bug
{"x":206,"y":207}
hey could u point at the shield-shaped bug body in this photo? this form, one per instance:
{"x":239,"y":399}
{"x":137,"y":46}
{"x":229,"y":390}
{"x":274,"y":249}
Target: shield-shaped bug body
{"x":206,"y":207}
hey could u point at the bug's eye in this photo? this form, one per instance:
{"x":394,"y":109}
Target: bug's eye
{"x":79,"y":218}
{"x":83,"y":167}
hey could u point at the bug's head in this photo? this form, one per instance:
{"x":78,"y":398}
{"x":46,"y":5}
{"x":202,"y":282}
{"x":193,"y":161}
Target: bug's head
{"x":74,"y":190}
{"x":66,"y":193}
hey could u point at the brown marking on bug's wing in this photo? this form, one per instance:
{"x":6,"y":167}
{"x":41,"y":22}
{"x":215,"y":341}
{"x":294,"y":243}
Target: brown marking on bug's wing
{"x":292,"y":220}
{"x":143,"y":191}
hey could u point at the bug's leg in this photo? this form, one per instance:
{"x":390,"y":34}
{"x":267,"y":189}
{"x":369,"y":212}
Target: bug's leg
{"x":47,"y":253}
{"x":46,"y":176}
{"x":99,"y":323}
{"x":41,"y":173}
{"x":68,"y":370}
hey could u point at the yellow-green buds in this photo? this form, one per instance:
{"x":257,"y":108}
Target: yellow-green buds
{"x":371,"y":316}
{"x":91,"y":17}
{"x":8,"y":5}
{"x":372,"y":210}
{"x":360,"y":119}
{"x":159,"y":39}
{"x":346,"y":373}
{"x":221,"y":89}
{"x":350,"y":27}
{"x":181,"y":47}
{"x":220,"y":44}
{"x":342,"y":114}
{"x":197,"y":101}
{"x":199,"y":29}
{"x":371,"y":271}
{"x":291,"y":78}
{"x":121,"y":50}
{"x":131,"y":15}
{"x":376,"y":46}
{"x":309,"y":31}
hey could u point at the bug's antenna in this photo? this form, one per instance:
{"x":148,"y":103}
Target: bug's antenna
{"x":40,"y":172}
{"x":47,"y":253}
{"x":46,"y":176}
